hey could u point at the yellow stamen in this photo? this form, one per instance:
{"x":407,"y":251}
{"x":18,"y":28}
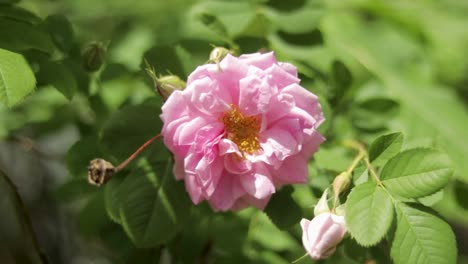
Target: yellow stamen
{"x":242,"y":130}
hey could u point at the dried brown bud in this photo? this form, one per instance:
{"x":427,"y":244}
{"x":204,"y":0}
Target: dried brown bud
{"x":100,"y":171}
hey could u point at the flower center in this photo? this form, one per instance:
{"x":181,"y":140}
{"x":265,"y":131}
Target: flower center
{"x":242,"y":130}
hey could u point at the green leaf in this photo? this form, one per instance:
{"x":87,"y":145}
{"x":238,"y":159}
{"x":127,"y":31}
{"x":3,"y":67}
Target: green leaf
{"x":264,"y":232}
{"x":341,"y":79}
{"x":433,"y":110}
{"x":92,"y":218}
{"x":420,"y":237}
{"x":166,"y":60}
{"x":374,"y":113}
{"x":214,"y":24}
{"x":130,"y":127}
{"x":307,"y":39}
{"x":229,"y":18}
{"x":113,"y":197}
{"x":417,"y":172}
{"x":369,"y":213}
{"x":282,"y":209}
{"x":58,"y":75}
{"x":61,"y":31}
{"x":287,"y":6}
{"x":301,"y":21}
{"x":16,"y":78}
{"x":74,"y":189}
{"x":154,"y":206}
{"x":333,"y":158}
{"x":432,"y":199}
{"x":30,"y":36}
{"x":19,"y":14}
{"x":8,"y":1}
{"x":384,"y":148}
{"x":81,"y":153}
{"x":461,"y":193}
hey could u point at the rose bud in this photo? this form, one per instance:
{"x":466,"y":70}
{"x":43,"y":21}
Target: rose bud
{"x":94,"y":56}
{"x":166,"y":85}
{"x":321,"y":235}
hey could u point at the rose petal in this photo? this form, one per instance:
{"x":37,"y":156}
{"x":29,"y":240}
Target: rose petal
{"x":258,"y":183}
{"x":262,"y":61}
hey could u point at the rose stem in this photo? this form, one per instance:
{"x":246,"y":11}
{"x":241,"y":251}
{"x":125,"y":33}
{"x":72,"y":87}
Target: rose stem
{"x":135,"y":154}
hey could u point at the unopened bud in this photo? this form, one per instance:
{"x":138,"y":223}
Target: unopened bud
{"x":321,"y":235}
{"x":93,"y":56}
{"x":100,"y":171}
{"x":218,"y":54}
{"x":166,"y":85}
{"x":341,"y":183}
{"x":322,"y":205}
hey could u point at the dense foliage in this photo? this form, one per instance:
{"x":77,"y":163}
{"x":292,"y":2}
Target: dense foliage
{"x":391,"y":77}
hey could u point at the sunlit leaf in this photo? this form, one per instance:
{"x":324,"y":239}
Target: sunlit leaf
{"x":16,"y":78}
{"x":385,"y":147}
{"x":421,"y":237}
{"x":417,"y":172}
{"x":369,"y":213}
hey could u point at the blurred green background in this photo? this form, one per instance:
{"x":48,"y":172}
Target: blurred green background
{"x":377,"y":66}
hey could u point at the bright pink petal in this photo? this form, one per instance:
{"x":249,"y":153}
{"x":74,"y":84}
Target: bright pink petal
{"x":294,"y":169}
{"x":178,"y":170}
{"x":223,"y":197}
{"x":280,"y":78}
{"x":258,"y":183}
{"x":262,"y":61}
{"x":255,"y":93}
{"x":279,"y":142}
{"x":209,"y":96}
{"x":288,"y":67}
{"x":188,"y":131}
{"x":306,"y":101}
{"x":193,"y":188}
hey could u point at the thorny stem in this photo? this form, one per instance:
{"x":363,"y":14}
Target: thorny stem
{"x":135,"y":154}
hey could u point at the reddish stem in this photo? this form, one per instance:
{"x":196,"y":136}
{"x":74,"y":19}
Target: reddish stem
{"x":135,"y":154}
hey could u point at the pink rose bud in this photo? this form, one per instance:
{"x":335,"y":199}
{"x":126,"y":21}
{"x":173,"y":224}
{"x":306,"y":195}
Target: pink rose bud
{"x":321,"y":235}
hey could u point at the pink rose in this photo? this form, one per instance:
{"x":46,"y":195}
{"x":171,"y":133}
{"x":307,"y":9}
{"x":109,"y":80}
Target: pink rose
{"x":321,"y":235}
{"x":240,"y":130}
